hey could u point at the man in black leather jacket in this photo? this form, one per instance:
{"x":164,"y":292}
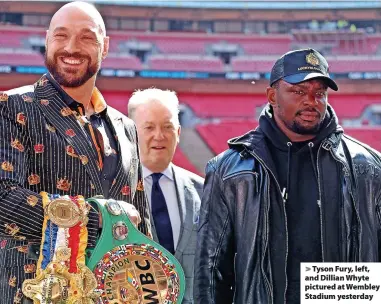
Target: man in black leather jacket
{"x":296,"y":189}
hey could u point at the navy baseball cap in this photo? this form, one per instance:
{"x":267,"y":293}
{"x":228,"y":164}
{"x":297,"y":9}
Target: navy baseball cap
{"x":301,"y":65}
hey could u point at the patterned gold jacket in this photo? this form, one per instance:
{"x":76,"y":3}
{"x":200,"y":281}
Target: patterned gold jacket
{"x":44,"y":148}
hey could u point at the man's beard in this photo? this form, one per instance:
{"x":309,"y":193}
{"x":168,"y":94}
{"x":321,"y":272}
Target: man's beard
{"x":66,"y":77}
{"x":299,"y":129}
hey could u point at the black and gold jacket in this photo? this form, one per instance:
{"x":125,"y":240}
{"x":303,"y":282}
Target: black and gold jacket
{"x":43,"y":147}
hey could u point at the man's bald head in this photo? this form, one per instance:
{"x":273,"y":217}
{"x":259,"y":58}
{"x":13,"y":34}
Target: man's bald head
{"x":76,"y":43}
{"x":75,"y":10}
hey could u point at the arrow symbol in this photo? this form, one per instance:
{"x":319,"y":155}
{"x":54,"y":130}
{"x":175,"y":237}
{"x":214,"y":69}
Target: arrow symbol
{"x":308,"y":268}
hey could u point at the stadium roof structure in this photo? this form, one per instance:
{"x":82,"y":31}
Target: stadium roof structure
{"x":238,"y":4}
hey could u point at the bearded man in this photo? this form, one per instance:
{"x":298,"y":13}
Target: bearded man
{"x":296,"y":189}
{"x":60,"y":136}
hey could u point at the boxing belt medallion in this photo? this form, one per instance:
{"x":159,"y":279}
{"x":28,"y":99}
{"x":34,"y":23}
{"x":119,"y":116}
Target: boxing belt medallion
{"x":62,"y":276}
{"x":129,"y":267}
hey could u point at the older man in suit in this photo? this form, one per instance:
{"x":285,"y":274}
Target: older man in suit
{"x":59,"y":136}
{"x":174,"y":193}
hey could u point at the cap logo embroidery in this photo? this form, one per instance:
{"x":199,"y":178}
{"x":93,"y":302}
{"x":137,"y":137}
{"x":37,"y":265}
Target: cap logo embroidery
{"x":312,"y":59}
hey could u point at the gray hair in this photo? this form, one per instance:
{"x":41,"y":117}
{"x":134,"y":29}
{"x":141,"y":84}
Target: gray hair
{"x":167,"y":98}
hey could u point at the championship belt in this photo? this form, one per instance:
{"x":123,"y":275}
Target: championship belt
{"x":62,"y":276}
{"x":129,"y":267}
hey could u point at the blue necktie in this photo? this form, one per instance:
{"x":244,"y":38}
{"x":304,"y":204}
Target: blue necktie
{"x":160,"y":215}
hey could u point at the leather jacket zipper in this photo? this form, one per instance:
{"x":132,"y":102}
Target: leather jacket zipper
{"x":346,"y":178}
{"x":319,"y":202}
{"x":356,"y":245}
{"x":241,"y":172}
{"x":285,"y":218}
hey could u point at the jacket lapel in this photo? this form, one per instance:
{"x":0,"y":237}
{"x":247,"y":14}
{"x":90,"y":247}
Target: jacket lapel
{"x":61,"y":118}
{"x":186,"y":208}
{"x":127,"y":162}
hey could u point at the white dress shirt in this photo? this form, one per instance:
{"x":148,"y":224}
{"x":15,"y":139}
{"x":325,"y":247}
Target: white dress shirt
{"x":167,"y":185}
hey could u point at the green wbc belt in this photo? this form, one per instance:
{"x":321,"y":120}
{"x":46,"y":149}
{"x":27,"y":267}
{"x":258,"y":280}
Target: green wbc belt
{"x":129,"y":267}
